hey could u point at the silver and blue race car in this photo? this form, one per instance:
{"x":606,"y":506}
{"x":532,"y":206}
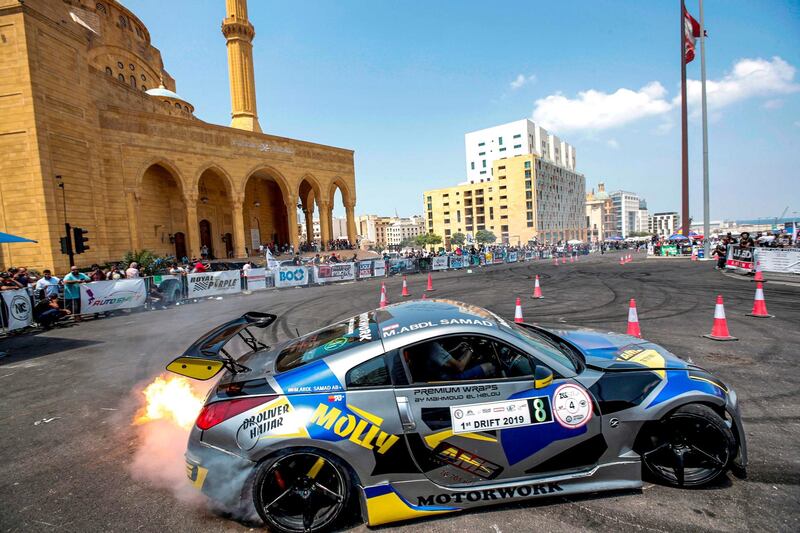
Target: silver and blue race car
{"x":433,"y":406}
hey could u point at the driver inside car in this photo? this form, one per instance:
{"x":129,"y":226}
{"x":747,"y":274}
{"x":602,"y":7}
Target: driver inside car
{"x":446,"y":365}
{"x":515,"y":364}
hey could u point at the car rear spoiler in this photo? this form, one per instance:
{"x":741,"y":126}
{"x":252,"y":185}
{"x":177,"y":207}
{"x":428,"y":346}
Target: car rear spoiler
{"x":206,"y":356}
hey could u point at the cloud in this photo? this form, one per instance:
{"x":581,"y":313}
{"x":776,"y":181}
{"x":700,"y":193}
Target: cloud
{"x":749,"y":78}
{"x":612,"y":143}
{"x":522,"y":80}
{"x":775,"y":103}
{"x":596,"y":110}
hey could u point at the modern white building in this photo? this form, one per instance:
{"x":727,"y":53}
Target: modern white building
{"x":626,"y":207}
{"x":404,"y":228}
{"x":664,"y":224}
{"x":520,"y":137}
{"x":642,"y":217}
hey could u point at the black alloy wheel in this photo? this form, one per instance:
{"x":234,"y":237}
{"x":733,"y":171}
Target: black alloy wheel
{"x":301,"y":491}
{"x":690,"y":447}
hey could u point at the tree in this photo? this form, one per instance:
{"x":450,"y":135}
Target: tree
{"x":458,"y":239}
{"x":485,"y":236}
{"x":434,"y":239}
{"x":408,"y":242}
{"x":428,"y":239}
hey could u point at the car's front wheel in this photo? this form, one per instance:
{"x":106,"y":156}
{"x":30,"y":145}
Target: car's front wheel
{"x":302,"y":490}
{"x":690,"y":447}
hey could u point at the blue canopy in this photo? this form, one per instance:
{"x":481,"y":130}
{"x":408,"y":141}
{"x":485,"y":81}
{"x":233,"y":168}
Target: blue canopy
{"x":7,"y":237}
{"x":615,"y":238}
{"x":677,"y":237}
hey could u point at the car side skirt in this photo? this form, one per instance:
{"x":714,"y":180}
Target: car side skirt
{"x":405,"y":500}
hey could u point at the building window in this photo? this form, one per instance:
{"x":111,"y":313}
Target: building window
{"x":177,"y":105}
{"x":482,"y":153}
{"x":481,"y":144}
{"x":530,"y":215}
{"x":527,"y":164}
{"x":484,"y":163}
{"x":502,"y":149}
{"x":528,"y":174}
{"x":144,"y":88}
{"x":133,"y":81}
{"x":100,"y":8}
{"x":528,"y":205}
{"x":144,"y":78}
{"x":500,"y":141}
{"x":120,"y":65}
{"x":528,"y":195}
{"x":131,"y":66}
{"x":472,"y":165}
{"x":517,"y":146}
{"x":121,"y":77}
{"x":530,"y":223}
{"x":109,"y":71}
{"x":517,"y":136}
{"x":122,"y":22}
{"x":527,"y":184}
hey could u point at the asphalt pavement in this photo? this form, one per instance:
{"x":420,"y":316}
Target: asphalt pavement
{"x":68,"y":449}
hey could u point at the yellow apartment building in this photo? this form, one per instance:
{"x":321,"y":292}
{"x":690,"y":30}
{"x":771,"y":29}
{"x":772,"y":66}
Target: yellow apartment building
{"x":526,"y":199}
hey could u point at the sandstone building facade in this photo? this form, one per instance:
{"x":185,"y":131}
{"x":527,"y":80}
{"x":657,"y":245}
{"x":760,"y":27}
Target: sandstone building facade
{"x":85,"y":101}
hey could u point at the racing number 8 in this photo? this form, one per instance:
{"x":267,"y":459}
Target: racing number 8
{"x":539,"y":414}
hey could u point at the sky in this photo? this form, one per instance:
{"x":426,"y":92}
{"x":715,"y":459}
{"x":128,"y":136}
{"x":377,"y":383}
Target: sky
{"x":401,"y":82}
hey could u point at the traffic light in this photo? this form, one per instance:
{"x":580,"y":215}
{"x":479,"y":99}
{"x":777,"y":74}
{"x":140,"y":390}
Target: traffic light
{"x":79,"y":240}
{"x":66,"y":246}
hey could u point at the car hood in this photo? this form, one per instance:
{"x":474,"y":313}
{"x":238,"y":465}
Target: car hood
{"x":615,"y":351}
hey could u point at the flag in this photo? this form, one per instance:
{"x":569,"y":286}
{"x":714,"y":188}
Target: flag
{"x":691,"y":30}
{"x":271,"y":262}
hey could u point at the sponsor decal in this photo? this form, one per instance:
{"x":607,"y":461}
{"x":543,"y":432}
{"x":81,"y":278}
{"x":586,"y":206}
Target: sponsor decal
{"x":469,"y":462}
{"x":211,"y":283}
{"x":458,"y":393}
{"x":649,"y":358}
{"x":274,"y":419}
{"x":100,"y":296}
{"x":501,"y":415}
{"x":335,"y":272}
{"x":362,"y":428}
{"x":572,"y":406}
{"x":503,"y":493}
{"x":20,"y":307}
{"x":392,"y":330}
{"x":335,"y":344}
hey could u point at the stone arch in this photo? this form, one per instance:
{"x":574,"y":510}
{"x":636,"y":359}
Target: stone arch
{"x":268,"y":207}
{"x":160,"y":210}
{"x":194,"y":185}
{"x":347,"y":195}
{"x":271,"y":172}
{"x":313,"y":185}
{"x":163,"y":162}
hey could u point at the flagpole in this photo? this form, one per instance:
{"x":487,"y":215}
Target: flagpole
{"x":684,"y":132}
{"x":706,"y":208}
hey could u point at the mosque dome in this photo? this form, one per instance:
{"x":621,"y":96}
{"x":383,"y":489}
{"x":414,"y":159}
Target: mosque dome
{"x":170,"y":98}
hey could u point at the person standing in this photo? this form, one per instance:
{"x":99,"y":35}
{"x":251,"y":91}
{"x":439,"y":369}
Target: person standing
{"x":72,"y":290}
{"x":48,"y":285}
{"x":115,"y":273}
{"x":97,"y":273}
{"x":132,"y":271}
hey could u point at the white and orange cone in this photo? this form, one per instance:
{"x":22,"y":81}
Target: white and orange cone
{"x":571,"y":258}
{"x":759,"y":304}
{"x":563,"y":259}
{"x":384,"y":301}
{"x":537,"y":290}
{"x":405,"y":292}
{"x":518,"y":311}
{"x":633,"y":320}
{"x":719,"y":332}
{"x":621,"y":260}
{"x":555,"y":261}
{"x":430,"y":283}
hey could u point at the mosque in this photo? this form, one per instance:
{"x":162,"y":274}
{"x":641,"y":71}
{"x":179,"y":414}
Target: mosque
{"x":94,"y":133}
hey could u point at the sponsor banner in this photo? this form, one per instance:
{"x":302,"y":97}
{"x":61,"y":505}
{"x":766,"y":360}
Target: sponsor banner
{"x":20,"y":308}
{"x":529,"y":256}
{"x":334,"y":272}
{"x":500,"y":415}
{"x":439,"y":262}
{"x":213,"y":283}
{"x":739,"y":258}
{"x":512,"y":257}
{"x":371,"y":268}
{"x":456,"y":261}
{"x":379,"y":268}
{"x":101,"y":296}
{"x":159,"y":279}
{"x":499,"y":258}
{"x":256,"y":279}
{"x":402,"y":266}
{"x":291,"y":276}
{"x":778,"y":260}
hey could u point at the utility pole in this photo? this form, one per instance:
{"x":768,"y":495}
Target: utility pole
{"x":66,"y":242}
{"x":684,"y":131}
{"x":706,"y":200}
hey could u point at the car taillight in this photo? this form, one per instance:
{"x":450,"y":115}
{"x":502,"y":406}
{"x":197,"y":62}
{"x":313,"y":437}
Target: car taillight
{"x":214,"y":413}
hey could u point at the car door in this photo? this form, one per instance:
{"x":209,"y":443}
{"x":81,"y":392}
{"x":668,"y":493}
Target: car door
{"x":498,"y":426}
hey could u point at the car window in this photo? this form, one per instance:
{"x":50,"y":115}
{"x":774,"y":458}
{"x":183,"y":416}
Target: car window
{"x":327,"y":341}
{"x":453,"y":358}
{"x":371,"y":373}
{"x":514,"y":363}
{"x":541,"y":346}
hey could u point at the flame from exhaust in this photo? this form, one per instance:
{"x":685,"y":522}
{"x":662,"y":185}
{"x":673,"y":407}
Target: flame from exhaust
{"x":170,"y":398}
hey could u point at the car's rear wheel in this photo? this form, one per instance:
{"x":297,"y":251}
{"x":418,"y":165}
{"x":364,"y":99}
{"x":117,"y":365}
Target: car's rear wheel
{"x":301,"y":491}
{"x":690,"y":447}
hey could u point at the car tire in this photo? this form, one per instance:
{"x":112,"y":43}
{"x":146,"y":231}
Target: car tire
{"x":690,"y":447}
{"x":302,"y":489}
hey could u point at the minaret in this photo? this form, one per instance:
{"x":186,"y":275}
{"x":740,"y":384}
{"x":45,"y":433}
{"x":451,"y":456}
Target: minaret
{"x":239,"y":33}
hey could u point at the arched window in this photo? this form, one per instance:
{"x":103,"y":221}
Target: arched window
{"x":123,"y":23}
{"x":120,"y":65}
{"x":121,"y":77}
{"x":133,"y":81}
{"x":144,"y":88}
{"x":132,"y":66}
{"x":109,"y":71}
{"x":177,"y":105}
{"x":186,"y":107}
{"x":144,"y":78}
{"x":101,"y":8}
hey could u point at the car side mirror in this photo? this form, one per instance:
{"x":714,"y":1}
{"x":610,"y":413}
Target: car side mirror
{"x":542,"y":377}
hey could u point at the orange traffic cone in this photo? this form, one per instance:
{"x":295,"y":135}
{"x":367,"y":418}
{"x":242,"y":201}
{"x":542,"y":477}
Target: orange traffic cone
{"x":537,"y":290}
{"x":719,"y":332}
{"x":430,"y":283}
{"x":759,"y":304}
{"x":405,"y":288}
{"x":621,"y":261}
{"x":571,"y":258}
{"x":563,"y":260}
{"x":555,"y":261}
{"x":633,"y":320}
{"x":518,"y":312}
{"x":384,"y":301}
{"x":759,"y":277}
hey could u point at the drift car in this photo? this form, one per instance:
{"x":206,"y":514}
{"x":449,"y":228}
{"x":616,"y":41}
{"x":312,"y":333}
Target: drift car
{"x":373,"y":410}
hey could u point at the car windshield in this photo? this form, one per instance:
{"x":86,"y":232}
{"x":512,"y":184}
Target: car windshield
{"x":328,"y":341}
{"x":549,"y":347}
